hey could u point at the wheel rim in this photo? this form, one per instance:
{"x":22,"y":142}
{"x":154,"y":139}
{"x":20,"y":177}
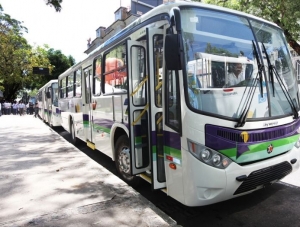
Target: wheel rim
{"x":124,"y":160}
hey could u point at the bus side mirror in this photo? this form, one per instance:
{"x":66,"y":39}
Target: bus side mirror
{"x":48,"y":95}
{"x":173,"y":51}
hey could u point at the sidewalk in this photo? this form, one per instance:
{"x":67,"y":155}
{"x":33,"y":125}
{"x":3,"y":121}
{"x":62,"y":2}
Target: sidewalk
{"x":46,"y":181}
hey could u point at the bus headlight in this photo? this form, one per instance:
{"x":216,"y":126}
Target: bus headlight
{"x":208,"y":156}
{"x":216,"y":159}
{"x":205,"y":154}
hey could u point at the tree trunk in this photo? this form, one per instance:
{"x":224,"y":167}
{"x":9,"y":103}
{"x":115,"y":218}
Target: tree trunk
{"x":295,"y":46}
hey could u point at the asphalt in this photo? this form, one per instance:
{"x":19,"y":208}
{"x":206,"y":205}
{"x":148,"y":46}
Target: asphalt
{"x":46,"y":181}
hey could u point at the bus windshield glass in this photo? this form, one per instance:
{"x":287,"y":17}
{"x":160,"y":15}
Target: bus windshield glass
{"x":222,"y":70}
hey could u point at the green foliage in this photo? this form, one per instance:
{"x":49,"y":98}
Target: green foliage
{"x":218,"y":51}
{"x":17,"y":59}
{"x":14,"y":50}
{"x":285,"y":14}
{"x":60,"y":62}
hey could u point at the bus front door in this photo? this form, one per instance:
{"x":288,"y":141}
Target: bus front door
{"x":145,"y":107}
{"x":86,"y":104}
{"x":138,"y":108}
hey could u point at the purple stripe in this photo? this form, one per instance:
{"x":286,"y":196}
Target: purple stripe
{"x":172,"y":139}
{"x":106,"y":123}
{"x":85,"y":117}
{"x":219,"y":138}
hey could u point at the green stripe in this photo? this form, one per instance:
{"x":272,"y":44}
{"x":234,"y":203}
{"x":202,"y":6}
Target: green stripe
{"x":104,"y":129}
{"x":138,"y":140}
{"x":172,"y":152}
{"x":259,"y":151}
{"x":154,"y":153}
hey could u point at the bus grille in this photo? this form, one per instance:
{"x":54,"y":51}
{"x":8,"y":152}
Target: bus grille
{"x":264,"y":177}
{"x":257,"y":136}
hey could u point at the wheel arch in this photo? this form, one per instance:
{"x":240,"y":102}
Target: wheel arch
{"x":116,"y":132}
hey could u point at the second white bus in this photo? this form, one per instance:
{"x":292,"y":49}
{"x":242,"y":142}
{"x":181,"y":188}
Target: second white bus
{"x":47,"y":99}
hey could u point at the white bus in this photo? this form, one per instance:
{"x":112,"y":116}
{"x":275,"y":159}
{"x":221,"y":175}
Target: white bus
{"x":47,"y":99}
{"x":158,"y":99}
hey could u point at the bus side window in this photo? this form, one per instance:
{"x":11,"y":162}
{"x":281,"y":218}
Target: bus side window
{"x":97,"y":76}
{"x":172,"y":102}
{"x":115,"y":74}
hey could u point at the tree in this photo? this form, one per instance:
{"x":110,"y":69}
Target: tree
{"x":285,"y":14}
{"x":55,"y":3}
{"x":13,"y":49}
{"x":60,"y":62}
{"x":17,"y":58}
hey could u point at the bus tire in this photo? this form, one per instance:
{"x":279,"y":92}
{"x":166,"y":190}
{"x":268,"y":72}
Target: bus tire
{"x":73,"y":134}
{"x":122,"y":161}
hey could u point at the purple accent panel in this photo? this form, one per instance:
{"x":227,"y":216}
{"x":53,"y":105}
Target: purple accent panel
{"x":137,"y":130}
{"x":85,"y":117}
{"x":57,"y":110}
{"x":218,"y":143}
{"x":154,"y":138}
{"x":172,"y":139}
{"x":259,"y":135}
{"x":242,"y":148}
{"x":220,"y":138}
{"x":104,"y":123}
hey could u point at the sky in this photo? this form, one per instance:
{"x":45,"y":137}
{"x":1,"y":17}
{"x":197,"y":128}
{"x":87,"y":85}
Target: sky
{"x":67,"y":30}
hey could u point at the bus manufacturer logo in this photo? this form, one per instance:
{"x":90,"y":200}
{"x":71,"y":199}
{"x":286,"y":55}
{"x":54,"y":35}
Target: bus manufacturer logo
{"x":270,"y":148}
{"x":245,"y":136}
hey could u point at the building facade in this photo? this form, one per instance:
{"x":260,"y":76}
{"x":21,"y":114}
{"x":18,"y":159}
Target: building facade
{"x":123,"y":17}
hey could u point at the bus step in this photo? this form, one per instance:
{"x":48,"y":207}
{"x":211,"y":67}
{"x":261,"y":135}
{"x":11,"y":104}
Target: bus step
{"x":90,"y":145}
{"x":146,"y":178}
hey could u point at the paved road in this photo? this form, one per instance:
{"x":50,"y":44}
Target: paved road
{"x":46,"y":181}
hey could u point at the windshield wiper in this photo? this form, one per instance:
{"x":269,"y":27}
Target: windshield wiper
{"x":248,"y":100}
{"x":271,"y":76}
{"x":272,"y":69}
{"x":260,"y":68}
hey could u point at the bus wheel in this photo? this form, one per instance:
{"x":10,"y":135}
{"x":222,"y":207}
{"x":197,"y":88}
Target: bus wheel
{"x":73,"y":134}
{"x":123,"y":161}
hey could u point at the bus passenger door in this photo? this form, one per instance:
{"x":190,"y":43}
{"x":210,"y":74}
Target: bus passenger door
{"x":138,"y":107}
{"x":49,"y":104}
{"x":155,"y":58}
{"x":86,"y":106}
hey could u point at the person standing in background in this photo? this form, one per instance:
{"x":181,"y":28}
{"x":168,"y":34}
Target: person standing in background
{"x":30,"y":108}
{"x":8,"y":108}
{"x":21,"y":107}
{"x":2,"y":108}
{"x":36,"y":109}
{"x":15,"y":108}
{"x":27,"y":108}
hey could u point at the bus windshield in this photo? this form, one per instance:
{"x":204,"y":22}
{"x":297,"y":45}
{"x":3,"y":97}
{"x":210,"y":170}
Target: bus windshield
{"x":223,"y":70}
